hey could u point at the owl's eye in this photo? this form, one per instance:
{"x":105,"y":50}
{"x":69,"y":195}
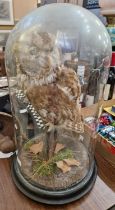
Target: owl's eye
{"x":33,"y":51}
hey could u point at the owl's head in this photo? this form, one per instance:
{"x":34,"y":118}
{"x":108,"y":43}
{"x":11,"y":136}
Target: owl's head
{"x":37,"y":53}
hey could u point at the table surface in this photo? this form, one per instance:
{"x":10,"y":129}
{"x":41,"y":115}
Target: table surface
{"x":101,"y":197}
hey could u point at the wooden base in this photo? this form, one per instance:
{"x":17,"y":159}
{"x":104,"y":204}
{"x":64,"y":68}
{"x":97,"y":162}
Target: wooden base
{"x":54,"y":197}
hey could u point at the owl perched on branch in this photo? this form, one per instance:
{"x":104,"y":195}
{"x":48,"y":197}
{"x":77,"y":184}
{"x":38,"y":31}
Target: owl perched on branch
{"x":50,"y":87}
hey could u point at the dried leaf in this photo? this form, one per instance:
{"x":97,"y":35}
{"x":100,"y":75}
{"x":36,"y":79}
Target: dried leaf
{"x":72,"y":162}
{"x":63,"y":166}
{"x":59,"y":147}
{"x":37,"y":148}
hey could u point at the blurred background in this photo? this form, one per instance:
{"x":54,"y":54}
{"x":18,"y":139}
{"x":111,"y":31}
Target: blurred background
{"x":11,"y":12}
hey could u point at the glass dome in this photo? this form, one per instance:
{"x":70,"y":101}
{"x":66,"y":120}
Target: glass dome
{"x":57,"y":59}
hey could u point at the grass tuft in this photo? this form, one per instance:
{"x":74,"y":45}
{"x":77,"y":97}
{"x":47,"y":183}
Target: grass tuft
{"x":46,"y":168}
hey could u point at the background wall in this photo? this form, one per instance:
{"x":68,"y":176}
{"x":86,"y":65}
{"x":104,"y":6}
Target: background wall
{"x":80,"y":2}
{"x":22,"y":7}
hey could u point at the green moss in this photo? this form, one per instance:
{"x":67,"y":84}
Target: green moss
{"x":45,"y":168}
{"x":28,"y":144}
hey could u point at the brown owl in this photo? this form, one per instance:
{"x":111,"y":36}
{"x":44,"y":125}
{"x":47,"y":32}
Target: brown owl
{"x":57,"y":102}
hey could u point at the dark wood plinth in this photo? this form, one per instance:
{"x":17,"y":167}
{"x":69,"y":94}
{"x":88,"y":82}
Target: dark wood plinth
{"x":101,"y":197}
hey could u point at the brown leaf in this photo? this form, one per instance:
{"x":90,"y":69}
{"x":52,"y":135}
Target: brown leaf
{"x":59,"y":147}
{"x":37,"y":148}
{"x":63,"y":166}
{"x":72,"y":162}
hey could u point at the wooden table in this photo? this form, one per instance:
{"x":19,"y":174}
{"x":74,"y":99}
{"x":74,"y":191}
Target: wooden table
{"x":101,"y":197}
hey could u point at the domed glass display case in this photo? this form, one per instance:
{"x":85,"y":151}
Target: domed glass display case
{"x":58,"y":58}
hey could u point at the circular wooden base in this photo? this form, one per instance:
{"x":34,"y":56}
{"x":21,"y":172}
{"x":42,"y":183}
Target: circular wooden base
{"x":54,"y":197}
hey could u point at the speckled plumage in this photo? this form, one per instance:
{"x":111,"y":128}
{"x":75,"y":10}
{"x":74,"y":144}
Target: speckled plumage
{"x":52,"y":89}
{"x":57,"y":103}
